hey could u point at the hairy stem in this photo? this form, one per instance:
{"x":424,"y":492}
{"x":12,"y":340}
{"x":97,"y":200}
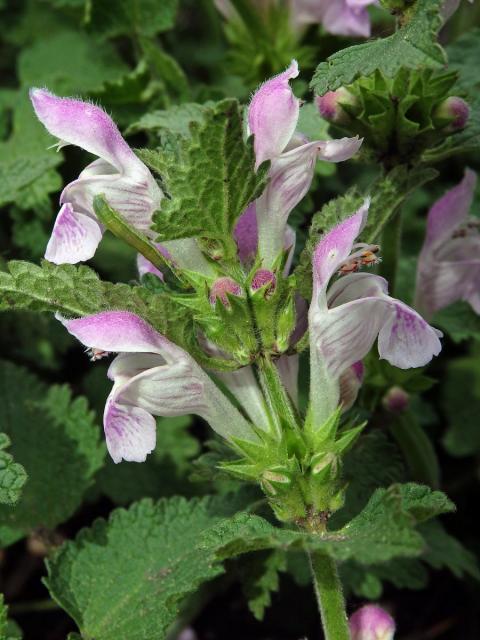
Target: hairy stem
{"x":278,"y":402}
{"x":331,"y":602}
{"x":391,"y":250}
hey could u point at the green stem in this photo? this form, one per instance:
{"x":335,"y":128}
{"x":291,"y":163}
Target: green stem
{"x":391,"y":249}
{"x":250,"y":17}
{"x":115,"y":223}
{"x":278,"y":402}
{"x":417,"y":450}
{"x":331,"y":602}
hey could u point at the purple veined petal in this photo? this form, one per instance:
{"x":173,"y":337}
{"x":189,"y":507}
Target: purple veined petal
{"x":440,"y":284}
{"x":130,"y":432}
{"x":289,"y":242}
{"x":344,"y":18}
{"x":121,"y":331}
{"x":84,"y":125}
{"x":288,"y":369}
{"x":135,"y":198}
{"x":335,"y":247}
{"x":173,"y":388}
{"x":273,"y":115}
{"x":450,"y":211}
{"x":75,"y":237}
{"x":246,"y":234}
{"x":307,"y":11}
{"x":243,"y":385}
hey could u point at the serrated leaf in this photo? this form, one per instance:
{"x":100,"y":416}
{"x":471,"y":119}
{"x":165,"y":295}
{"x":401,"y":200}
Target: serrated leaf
{"x":261,"y":578}
{"x":131,"y":17}
{"x":443,"y":550}
{"x":461,"y":403}
{"x":163,"y":474}
{"x":57,"y":441}
{"x":175,"y":121}
{"x":12,"y":475}
{"x":209,"y":177}
{"x":414,"y":45}
{"x":160,"y":543}
{"x":459,"y":321}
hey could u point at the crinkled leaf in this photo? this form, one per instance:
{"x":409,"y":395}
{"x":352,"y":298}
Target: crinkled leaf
{"x":161,"y":544}
{"x":260,"y":578}
{"x":131,"y":17}
{"x":209,"y":178}
{"x":459,"y":321}
{"x":165,"y":471}
{"x":443,"y":550}
{"x":175,"y":120}
{"x":461,"y":402}
{"x":57,"y":441}
{"x":12,"y":475}
{"x":414,"y":45}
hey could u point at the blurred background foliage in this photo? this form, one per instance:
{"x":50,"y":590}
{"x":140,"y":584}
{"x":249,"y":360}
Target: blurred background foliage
{"x":145,"y":62}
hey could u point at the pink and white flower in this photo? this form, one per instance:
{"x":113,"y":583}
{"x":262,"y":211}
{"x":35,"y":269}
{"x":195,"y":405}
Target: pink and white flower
{"x":128,"y":185}
{"x":340,"y":17}
{"x":272,"y":118}
{"x":346,"y":317}
{"x":152,"y":377}
{"x":449,"y":262}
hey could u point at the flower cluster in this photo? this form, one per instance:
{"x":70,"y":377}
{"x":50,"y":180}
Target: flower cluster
{"x":249,"y":316}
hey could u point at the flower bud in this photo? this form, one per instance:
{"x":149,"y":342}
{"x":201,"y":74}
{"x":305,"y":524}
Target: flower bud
{"x":264,"y":277}
{"x":221,"y":287}
{"x":371,"y":622}
{"x":330,"y":105}
{"x":452,"y":113}
{"x":396,"y":400}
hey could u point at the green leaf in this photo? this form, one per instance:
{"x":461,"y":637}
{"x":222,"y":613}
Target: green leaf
{"x":443,"y":550}
{"x":12,"y":475}
{"x":3,"y":618}
{"x":260,"y":575}
{"x":54,"y":437}
{"x":160,"y":544}
{"x":461,"y":403}
{"x":414,"y":45}
{"x":459,"y":321}
{"x":131,"y":17}
{"x":163,"y":474}
{"x":389,"y":192}
{"x":209,"y":178}
{"x":463,"y":55}
{"x":175,"y":121}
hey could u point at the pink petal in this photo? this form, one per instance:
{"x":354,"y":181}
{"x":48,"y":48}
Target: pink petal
{"x":120,"y":331}
{"x":350,"y":382}
{"x":145,"y":266}
{"x":335,"y":247}
{"x":371,"y":622}
{"x":338,"y":150}
{"x":450,"y":210}
{"x":246,"y":234}
{"x":341,"y":19}
{"x":84,"y":125}
{"x":273,"y":115}
{"x":243,"y":385}
{"x":75,"y":237}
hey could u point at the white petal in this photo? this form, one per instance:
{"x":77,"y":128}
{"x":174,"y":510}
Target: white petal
{"x":75,"y":237}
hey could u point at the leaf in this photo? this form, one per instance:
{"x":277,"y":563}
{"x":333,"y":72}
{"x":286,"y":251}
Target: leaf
{"x":445,"y":551}
{"x":175,"y":120}
{"x":414,"y":45}
{"x":131,"y":17}
{"x":209,"y":178}
{"x":12,"y":475}
{"x":463,"y":56}
{"x":163,"y":474}
{"x":261,"y":579}
{"x":461,"y":403}
{"x":459,"y":321}
{"x":8,"y":629}
{"x":57,"y":441}
{"x":160,"y":543}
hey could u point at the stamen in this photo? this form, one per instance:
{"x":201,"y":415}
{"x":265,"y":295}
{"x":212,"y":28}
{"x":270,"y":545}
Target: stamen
{"x":365,"y":256}
{"x":96,"y":354}
{"x":471,"y":227}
